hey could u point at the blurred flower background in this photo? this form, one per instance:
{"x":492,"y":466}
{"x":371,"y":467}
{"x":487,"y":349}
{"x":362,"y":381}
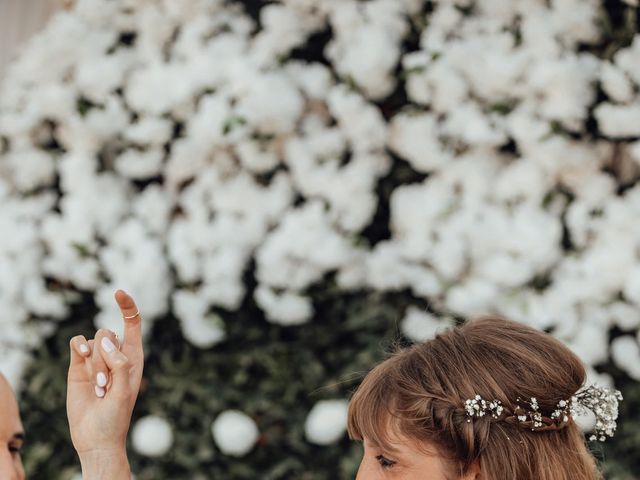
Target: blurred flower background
{"x":290,"y":188}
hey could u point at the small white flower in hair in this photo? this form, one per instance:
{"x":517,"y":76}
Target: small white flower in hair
{"x":602,"y":401}
{"x":478,"y":407}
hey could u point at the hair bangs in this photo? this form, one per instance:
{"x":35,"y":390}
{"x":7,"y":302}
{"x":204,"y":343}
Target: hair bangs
{"x":372,"y":411}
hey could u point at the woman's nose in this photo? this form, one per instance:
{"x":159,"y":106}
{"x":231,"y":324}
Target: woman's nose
{"x":8,"y":468}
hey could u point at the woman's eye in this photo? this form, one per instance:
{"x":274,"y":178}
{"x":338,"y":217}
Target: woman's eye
{"x":14,"y":450}
{"x":385,"y":462}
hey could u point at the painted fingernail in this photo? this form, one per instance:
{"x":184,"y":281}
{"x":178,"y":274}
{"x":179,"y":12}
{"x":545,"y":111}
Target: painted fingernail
{"x":99,"y":392}
{"x":101,"y":379}
{"x":108,"y":345}
{"x":84,"y":348}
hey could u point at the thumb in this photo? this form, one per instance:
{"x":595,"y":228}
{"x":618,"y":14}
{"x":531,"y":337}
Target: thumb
{"x":118,"y":364}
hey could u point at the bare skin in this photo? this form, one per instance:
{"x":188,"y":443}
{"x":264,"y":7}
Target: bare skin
{"x":11,"y":434}
{"x":406,"y":462}
{"x":99,"y":412}
{"x":105,"y":446}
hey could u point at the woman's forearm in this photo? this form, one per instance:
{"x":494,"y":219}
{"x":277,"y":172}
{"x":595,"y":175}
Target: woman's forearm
{"x":105,"y":465}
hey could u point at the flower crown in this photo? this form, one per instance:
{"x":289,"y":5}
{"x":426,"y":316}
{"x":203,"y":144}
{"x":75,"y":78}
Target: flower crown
{"x":602,"y":401}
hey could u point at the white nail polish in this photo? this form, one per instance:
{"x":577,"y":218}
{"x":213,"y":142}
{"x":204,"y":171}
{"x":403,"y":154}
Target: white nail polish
{"x":101,"y":379}
{"x":108,"y":345}
{"x":99,"y":392}
{"x":83,"y":348}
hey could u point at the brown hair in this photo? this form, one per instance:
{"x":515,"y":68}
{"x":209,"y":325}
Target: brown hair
{"x":419,"y":393}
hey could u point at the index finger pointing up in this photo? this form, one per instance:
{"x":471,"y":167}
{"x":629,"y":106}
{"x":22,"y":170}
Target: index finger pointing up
{"x":131,"y":316}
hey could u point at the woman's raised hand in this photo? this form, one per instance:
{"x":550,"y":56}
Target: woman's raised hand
{"x":103,"y":384}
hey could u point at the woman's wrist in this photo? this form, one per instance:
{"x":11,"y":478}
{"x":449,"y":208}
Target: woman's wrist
{"x":103,"y":464}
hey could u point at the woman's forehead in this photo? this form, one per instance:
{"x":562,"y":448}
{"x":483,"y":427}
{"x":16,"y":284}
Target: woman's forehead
{"x":392,"y":439}
{"x":407,"y":450}
{"x":389,"y":445}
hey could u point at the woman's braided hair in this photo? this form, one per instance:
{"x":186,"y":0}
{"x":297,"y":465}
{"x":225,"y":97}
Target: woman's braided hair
{"x":419,"y":393}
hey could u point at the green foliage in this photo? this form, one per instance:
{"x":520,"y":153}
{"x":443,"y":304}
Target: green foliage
{"x":272,"y":373}
{"x":620,"y":456}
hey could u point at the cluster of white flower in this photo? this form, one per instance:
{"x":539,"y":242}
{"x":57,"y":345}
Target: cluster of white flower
{"x":164,"y":147}
{"x":326,"y":422}
{"x":601,"y":402}
{"x":235,"y":433}
{"x":479,"y":407}
{"x":152,"y":436}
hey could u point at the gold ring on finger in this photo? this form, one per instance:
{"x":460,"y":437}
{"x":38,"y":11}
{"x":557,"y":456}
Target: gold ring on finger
{"x":132,"y":316}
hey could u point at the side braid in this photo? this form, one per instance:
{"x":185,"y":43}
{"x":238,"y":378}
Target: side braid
{"x":420,"y":393}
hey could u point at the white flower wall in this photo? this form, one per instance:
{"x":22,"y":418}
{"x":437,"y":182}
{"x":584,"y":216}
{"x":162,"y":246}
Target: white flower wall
{"x":167,"y":148}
